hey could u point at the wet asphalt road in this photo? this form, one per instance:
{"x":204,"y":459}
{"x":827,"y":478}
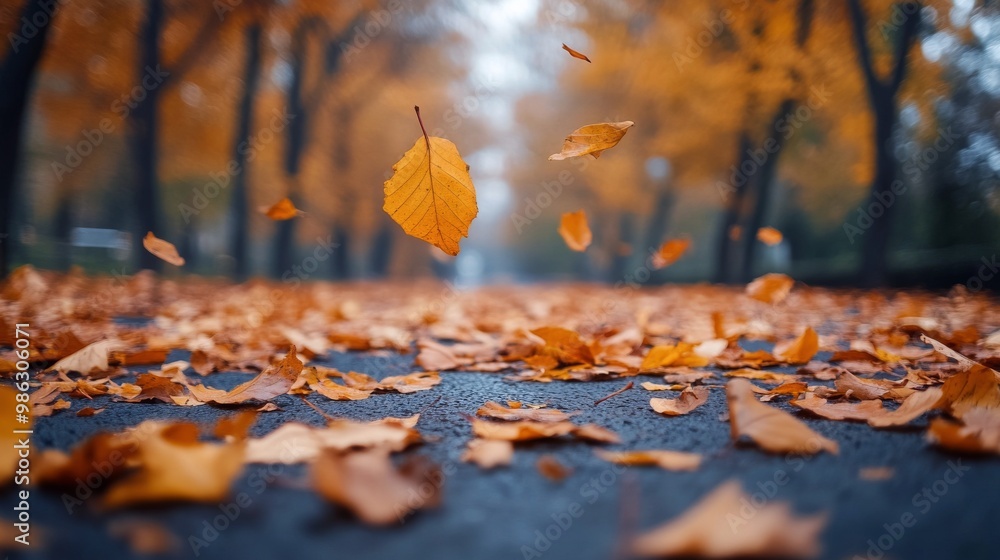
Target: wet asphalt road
{"x":515,"y":513}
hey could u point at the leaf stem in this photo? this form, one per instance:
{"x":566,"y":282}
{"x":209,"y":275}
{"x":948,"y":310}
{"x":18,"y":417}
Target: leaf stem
{"x":422,"y":129}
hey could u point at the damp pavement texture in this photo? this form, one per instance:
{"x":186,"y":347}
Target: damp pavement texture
{"x":514,"y":512}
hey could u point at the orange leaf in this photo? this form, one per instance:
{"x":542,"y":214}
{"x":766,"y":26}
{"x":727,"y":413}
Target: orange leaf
{"x":273,"y":381}
{"x":489,"y":453}
{"x":282,"y":210}
{"x":769,"y":236}
{"x":499,"y":412}
{"x":690,"y":399}
{"x":666,"y":460}
{"x":592,"y":139}
{"x":669,"y":252}
{"x":574,"y":230}
{"x":770,"y":288}
{"x":773,"y":430}
{"x":162,"y":249}
{"x":800,"y":350}
{"x":552,"y":469}
{"x":862,"y":411}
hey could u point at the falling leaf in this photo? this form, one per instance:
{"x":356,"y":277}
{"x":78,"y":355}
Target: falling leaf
{"x":273,"y":381}
{"x":689,"y":399}
{"x":162,"y":249}
{"x":489,"y":453}
{"x":715,"y":528}
{"x":669,"y":252}
{"x":284,"y":209}
{"x":592,"y":139}
{"x":574,"y":230}
{"x":666,"y":460}
{"x":912,"y":407}
{"x":431,"y":194}
{"x":770,"y":288}
{"x":175,"y":466}
{"x":499,"y":412}
{"x":800,"y":350}
{"x":372,"y":488}
{"x":769,"y":236}
{"x":862,"y":411}
{"x":575,"y":54}
{"x":773,"y":430}
{"x":552,"y":469}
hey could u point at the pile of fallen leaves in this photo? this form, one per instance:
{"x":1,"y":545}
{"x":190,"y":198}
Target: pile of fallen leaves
{"x":880,"y":359}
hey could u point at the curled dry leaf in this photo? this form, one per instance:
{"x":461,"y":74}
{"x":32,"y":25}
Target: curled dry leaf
{"x":862,"y":389}
{"x":800,"y":350}
{"x":552,"y":469}
{"x":713,"y":528}
{"x":528,"y":430}
{"x":564,"y":345}
{"x":665,"y":459}
{"x":499,"y":412}
{"x":574,"y":53}
{"x":769,"y":236}
{"x":668,"y":355}
{"x":295,"y":443}
{"x":431,"y":194}
{"x":773,"y":430}
{"x":979,"y":432}
{"x":689,"y":399}
{"x":92,"y":358}
{"x":489,"y":453}
{"x":372,"y":488}
{"x":575,"y":231}
{"x":862,"y":411}
{"x":275,"y":380}
{"x":418,"y":381}
{"x":235,"y":426}
{"x":164,"y":250}
{"x":592,"y":139}
{"x":284,"y":209}
{"x":669,"y":252}
{"x":912,"y":407}
{"x":770,"y":288}
{"x":974,"y":388}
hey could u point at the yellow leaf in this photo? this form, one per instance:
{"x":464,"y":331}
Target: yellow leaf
{"x":282,"y":210}
{"x":574,"y":53}
{"x":574,"y":230}
{"x":162,"y":249}
{"x":592,"y":139}
{"x":431,"y":194}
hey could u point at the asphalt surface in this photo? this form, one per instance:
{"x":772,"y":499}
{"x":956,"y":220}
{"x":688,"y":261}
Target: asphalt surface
{"x":514,"y":513}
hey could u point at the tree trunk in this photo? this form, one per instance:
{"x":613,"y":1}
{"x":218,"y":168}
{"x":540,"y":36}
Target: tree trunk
{"x":762,"y":189}
{"x":145,"y":131}
{"x":341,"y":258}
{"x":63,"y":229}
{"x":239,"y":206}
{"x":17,"y":73}
{"x":381,"y":250}
{"x":734,"y":197}
{"x":620,"y":257}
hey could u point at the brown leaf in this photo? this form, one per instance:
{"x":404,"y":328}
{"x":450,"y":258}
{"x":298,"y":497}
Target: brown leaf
{"x":862,"y":411}
{"x":418,"y":381}
{"x":575,"y":54}
{"x":974,"y":388}
{"x":709,"y":530}
{"x":372,"y":488}
{"x":667,"y":460}
{"x":552,"y":469}
{"x":574,"y":230}
{"x":144,"y":537}
{"x":592,"y":139}
{"x":979,"y":432}
{"x":499,"y":412}
{"x":689,"y":399}
{"x":284,"y":209}
{"x":770,"y":288}
{"x":164,"y":250}
{"x":42,"y":410}
{"x":295,"y":443}
{"x":862,"y":389}
{"x":564,"y":345}
{"x":528,"y":430}
{"x":433,"y":356}
{"x":489,"y":453}
{"x":275,"y":380}
{"x":235,"y":426}
{"x":914,"y":406}
{"x":615,"y":393}
{"x":92,"y":358}
{"x":772,"y":429}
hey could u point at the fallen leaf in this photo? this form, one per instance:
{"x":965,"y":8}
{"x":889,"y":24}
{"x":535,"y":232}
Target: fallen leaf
{"x":489,"y":453}
{"x":574,"y":230}
{"x":575,"y":54}
{"x":876,"y":473}
{"x":714,"y":528}
{"x":974,"y":388}
{"x":912,"y":407}
{"x":666,"y":355}
{"x":431,"y":194}
{"x":979,"y":432}
{"x":667,"y":460}
{"x":770,"y":288}
{"x":552,"y":469}
{"x":800,"y":350}
{"x":499,"y":412}
{"x":164,"y":250}
{"x":669,"y":252}
{"x":284,"y":209}
{"x":92,"y":358}
{"x":689,"y":399}
{"x":43,"y":410}
{"x":236,"y":426}
{"x":862,"y":411}
{"x":89,"y":411}
{"x":564,"y":345}
{"x":862,"y":389}
{"x":418,"y":381}
{"x":772,"y":429}
{"x":275,"y":380}
{"x":592,"y":139}
{"x":144,"y":537}
{"x":372,"y":488}
{"x":294,"y":442}
{"x":528,"y":430}
{"x":769,"y":236}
